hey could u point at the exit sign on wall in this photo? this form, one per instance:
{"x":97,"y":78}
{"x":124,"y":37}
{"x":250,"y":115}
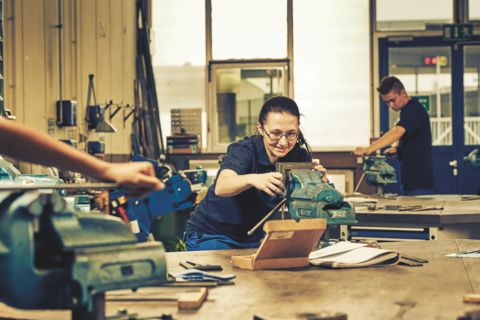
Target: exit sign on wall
{"x":457,"y":31}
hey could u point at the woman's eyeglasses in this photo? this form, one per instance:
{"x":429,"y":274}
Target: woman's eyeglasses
{"x":276,"y":136}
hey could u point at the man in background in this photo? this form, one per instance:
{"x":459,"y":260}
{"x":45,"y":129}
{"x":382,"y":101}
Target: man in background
{"x":411,"y":139}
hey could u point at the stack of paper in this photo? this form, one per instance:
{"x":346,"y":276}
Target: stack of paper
{"x":353,"y":255}
{"x":198,"y":275}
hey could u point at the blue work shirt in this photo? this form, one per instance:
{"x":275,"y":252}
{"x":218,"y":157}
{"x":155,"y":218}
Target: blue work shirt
{"x":235,"y":216}
{"x":415,"y":148}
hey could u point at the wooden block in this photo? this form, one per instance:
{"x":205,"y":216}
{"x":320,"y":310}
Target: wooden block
{"x":192,"y":300}
{"x":472,"y":298}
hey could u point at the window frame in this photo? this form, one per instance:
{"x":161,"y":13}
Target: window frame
{"x":212,"y":65}
{"x":212,"y":114}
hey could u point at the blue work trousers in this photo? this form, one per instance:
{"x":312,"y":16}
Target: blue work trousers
{"x":214,"y":242}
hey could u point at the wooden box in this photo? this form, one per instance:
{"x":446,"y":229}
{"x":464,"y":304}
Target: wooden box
{"x":287,"y":244}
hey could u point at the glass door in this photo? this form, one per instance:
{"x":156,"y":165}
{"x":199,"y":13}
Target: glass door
{"x":471,"y":119}
{"x":425,"y":67}
{"x":444,"y":76}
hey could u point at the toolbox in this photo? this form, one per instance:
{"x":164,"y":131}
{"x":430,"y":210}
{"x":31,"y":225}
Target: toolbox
{"x":287,"y":244}
{"x":183,"y":143}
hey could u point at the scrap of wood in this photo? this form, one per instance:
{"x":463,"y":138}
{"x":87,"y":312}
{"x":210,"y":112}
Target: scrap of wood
{"x":192,"y":300}
{"x":472,"y":298}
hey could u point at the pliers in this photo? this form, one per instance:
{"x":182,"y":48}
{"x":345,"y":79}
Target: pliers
{"x":197,"y":266}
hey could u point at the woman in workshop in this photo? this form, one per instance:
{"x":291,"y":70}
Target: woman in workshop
{"x":247,"y":187}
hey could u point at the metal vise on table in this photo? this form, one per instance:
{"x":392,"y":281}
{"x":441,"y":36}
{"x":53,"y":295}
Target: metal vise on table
{"x":473,"y":160}
{"x":378,"y":172}
{"x":307,"y":197}
{"x":52,"y":258}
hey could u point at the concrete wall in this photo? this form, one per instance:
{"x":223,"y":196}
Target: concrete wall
{"x":98,"y":38}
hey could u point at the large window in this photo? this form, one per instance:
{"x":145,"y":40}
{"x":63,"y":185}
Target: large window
{"x":249,"y":29}
{"x":178,"y":48}
{"x":316,"y":52}
{"x":332,"y":72}
{"x":413,"y":14}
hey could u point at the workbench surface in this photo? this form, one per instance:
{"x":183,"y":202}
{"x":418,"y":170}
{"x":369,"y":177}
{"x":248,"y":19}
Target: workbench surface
{"x":455,"y":211}
{"x":432,"y":291}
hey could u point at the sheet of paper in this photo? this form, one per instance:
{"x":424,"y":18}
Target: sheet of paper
{"x":337,"y":248}
{"x":356,"y":256}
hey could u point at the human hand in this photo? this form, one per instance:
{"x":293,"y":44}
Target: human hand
{"x":319,"y":167}
{"x":137,"y":179}
{"x":268,"y":182}
{"x":390,"y":152}
{"x":361,"y":151}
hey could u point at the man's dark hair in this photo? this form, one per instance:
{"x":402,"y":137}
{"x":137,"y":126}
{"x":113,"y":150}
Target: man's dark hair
{"x":390,"y":83}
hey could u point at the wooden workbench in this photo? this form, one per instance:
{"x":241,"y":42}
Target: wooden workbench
{"x":433,"y":291}
{"x":455,"y":211}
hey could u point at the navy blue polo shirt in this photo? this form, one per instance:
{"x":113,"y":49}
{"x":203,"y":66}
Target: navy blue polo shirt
{"x":415,"y":148}
{"x":235,"y":216}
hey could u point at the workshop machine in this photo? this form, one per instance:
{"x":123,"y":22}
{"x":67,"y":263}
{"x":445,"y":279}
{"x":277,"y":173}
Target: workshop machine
{"x":140,"y":214}
{"x":53,"y":258}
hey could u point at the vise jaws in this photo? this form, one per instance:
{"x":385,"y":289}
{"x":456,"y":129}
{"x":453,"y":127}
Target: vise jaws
{"x":378,"y":172}
{"x":52,"y":258}
{"x":307,"y":197}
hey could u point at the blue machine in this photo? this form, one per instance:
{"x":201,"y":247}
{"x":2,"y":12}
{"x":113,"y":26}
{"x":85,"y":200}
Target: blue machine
{"x":140,"y":213}
{"x":52,"y":258}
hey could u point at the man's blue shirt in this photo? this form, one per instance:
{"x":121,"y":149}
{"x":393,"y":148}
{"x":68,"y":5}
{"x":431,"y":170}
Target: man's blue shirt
{"x":415,"y":148}
{"x":235,"y":216}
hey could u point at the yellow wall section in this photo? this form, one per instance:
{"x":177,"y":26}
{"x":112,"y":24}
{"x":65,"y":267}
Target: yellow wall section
{"x":98,"y":38}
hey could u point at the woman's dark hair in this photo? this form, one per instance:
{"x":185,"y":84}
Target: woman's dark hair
{"x":284,"y":105}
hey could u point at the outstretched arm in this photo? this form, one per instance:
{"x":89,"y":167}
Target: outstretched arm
{"x":387,"y":139}
{"x":27,"y":144}
{"x":229,"y":183}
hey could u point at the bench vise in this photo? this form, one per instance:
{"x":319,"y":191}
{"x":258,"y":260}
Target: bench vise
{"x":473,"y":160}
{"x":378,"y":172}
{"x":308,"y":197}
{"x":52,"y":258}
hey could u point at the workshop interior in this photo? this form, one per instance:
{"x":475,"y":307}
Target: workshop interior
{"x":174,"y":84}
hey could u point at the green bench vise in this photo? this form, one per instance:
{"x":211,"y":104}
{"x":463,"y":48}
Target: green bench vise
{"x":53,"y":258}
{"x":378,"y":172}
{"x":307,"y":197}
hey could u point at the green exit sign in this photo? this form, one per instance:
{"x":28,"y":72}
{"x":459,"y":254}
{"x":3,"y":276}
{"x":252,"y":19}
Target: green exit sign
{"x":457,"y":31}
